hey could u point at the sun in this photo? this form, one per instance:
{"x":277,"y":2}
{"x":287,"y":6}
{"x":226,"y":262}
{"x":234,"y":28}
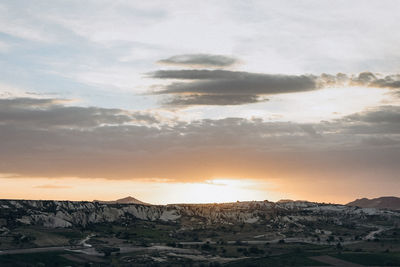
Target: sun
{"x":220,"y":191}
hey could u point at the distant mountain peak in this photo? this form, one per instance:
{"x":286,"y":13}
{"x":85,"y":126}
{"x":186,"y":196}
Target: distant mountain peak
{"x":125,"y":200}
{"x":128,"y":198}
{"x":388,"y":202}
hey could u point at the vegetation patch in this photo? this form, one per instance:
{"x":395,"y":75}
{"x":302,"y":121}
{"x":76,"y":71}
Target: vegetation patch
{"x":371,"y":259}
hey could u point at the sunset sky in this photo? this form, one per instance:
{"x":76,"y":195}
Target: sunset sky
{"x":199,"y":101}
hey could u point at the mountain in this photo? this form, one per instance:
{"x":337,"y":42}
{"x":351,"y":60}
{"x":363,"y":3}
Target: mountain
{"x":392,"y":203}
{"x":126,"y":200}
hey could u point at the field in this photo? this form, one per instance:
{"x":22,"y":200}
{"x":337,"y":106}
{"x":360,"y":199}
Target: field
{"x":163,"y":244}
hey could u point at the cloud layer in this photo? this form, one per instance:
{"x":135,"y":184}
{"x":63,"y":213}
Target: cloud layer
{"x":102,"y":143}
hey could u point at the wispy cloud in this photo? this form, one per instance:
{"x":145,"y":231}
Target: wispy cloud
{"x":366,"y":79}
{"x":52,"y":186}
{"x":48,"y":113}
{"x":200,"y":61}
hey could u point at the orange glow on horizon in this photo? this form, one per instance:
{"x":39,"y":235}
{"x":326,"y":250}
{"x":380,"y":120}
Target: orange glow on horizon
{"x":164,"y":191}
{"x":155,"y":191}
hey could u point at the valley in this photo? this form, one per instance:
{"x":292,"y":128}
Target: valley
{"x":255,"y":233}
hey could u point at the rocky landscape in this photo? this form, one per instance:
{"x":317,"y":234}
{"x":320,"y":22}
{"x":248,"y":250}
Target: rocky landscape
{"x":55,"y":214}
{"x":227,"y":233}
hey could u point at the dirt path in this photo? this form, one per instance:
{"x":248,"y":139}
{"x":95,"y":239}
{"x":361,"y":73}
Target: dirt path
{"x":371,"y":235}
{"x":32,"y":250}
{"x":86,"y":239}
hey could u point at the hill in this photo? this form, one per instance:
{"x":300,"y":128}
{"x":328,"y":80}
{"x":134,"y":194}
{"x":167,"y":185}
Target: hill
{"x":392,"y":203}
{"x":126,"y":200}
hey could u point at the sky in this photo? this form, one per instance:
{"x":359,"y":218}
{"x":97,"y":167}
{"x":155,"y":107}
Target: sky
{"x":199,"y":101}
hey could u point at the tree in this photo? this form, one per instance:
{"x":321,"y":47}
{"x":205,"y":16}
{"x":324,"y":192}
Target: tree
{"x":106,"y":250}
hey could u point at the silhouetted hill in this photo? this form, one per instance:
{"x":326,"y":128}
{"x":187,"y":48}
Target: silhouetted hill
{"x":392,"y":203}
{"x":126,"y":200}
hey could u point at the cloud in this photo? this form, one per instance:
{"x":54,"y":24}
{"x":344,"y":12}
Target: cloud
{"x":199,"y":99}
{"x":367,"y":79}
{"x":52,"y":113}
{"x":229,"y":87}
{"x":199,"y":61}
{"x":223,"y":87}
{"x":309,"y":129}
{"x":378,"y":115}
{"x":380,"y":141}
{"x":390,"y":81}
{"x":383,"y":120}
{"x":97,"y":143}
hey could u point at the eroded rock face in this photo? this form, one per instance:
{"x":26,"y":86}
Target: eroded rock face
{"x":67,"y":213}
{"x":61,"y":214}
